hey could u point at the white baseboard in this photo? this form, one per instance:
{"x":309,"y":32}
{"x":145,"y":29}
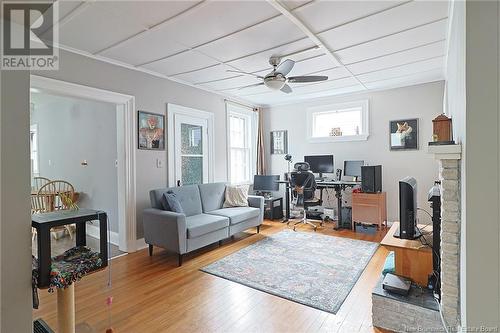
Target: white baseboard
{"x":141,"y":244}
{"x":93,"y":231}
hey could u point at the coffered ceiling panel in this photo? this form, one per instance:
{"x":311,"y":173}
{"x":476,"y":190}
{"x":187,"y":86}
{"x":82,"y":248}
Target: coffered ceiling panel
{"x":432,"y":50}
{"x":359,"y":45}
{"x":300,"y":49}
{"x":405,"y":40}
{"x":418,"y":78}
{"x":386,"y":23}
{"x":261,"y":37}
{"x":324,"y":15}
{"x":96,"y":27}
{"x":180,"y":63}
{"x":208,"y":74}
{"x":239,"y":81}
{"x":403,"y":70}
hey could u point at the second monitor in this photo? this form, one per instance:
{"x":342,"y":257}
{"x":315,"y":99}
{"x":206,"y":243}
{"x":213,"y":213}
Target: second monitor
{"x":353,"y":169}
{"x":320,"y":164}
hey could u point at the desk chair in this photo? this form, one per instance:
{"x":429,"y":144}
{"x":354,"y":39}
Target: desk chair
{"x":303,"y":189}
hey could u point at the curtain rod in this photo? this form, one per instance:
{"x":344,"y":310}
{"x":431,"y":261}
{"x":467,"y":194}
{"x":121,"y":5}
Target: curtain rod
{"x":240,"y":104}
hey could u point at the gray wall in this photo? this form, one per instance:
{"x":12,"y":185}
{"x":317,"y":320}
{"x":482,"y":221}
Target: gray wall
{"x":422,"y":101}
{"x":482,"y":170}
{"x":151,"y":94}
{"x":71,"y":130}
{"x":15,"y":219}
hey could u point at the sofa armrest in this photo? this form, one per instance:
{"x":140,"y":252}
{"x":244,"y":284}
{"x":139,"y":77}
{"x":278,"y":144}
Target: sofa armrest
{"x":165,"y":229}
{"x":257,"y":202}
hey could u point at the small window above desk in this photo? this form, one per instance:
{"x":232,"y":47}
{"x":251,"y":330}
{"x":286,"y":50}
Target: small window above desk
{"x":338,"y":122}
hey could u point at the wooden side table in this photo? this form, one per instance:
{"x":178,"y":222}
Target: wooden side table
{"x":369,"y":208}
{"x":412,"y":259}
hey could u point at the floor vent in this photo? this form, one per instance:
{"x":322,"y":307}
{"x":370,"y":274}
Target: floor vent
{"x":39,"y":326}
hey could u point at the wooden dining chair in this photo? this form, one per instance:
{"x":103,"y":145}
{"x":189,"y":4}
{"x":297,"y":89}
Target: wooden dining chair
{"x":59,"y":195}
{"x":38,"y":182}
{"x":40,"y":203}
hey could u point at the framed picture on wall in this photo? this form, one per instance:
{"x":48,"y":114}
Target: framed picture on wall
{"x":150,"y":131}
{"x":279,"y":142}
{"x":403,"y":134}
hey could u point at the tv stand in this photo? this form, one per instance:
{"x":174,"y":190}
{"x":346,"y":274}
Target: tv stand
{"x":412,"y":259}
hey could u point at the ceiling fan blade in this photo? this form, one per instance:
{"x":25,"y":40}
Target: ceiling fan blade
{"x":311,"y":78}
{"x":244,"y":73}
{"x":285,"y":67}
{"x":252,"y":85}
{"x":286,"y":89}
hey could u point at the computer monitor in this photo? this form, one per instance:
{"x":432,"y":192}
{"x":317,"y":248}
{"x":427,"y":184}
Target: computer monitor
{"x":353,"y":168}
{"x":266,"y":184}
{"x":320,"y":163}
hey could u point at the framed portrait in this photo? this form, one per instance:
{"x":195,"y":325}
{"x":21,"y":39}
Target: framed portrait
{"x":403,"y":134}
{"x":279,"y":142}
{"x":150,"y":131}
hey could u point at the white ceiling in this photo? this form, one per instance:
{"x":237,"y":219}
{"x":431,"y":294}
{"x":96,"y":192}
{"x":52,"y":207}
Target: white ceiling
{"x":360,"y":45}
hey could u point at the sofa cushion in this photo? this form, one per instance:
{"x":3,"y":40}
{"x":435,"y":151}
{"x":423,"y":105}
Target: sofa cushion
{"x":236,"y":196}
{"x":237,"y":214}
{"x":212,"y":196}
{"x":188,"y":197}
{"x":169,"y":202}
{"x":201,"y":224}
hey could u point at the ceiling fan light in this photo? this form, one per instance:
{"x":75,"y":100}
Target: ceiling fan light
{"x":275,"y":84}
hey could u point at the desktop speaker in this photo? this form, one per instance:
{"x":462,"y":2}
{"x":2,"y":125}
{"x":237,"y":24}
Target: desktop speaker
{"x":371,"y":178}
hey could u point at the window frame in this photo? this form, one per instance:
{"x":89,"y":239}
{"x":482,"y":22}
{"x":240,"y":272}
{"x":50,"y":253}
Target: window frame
{"x":251,"y":121}
{"x":365,"y":124}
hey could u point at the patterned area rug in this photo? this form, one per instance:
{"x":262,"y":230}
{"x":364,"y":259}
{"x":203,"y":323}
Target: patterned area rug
{"x":308,"y":268}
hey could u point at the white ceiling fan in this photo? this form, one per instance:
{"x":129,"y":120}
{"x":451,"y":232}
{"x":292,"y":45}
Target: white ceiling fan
{"x":277,"y":80}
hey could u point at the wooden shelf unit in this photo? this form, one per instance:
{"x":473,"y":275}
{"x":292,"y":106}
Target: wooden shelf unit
{"x":369,"y":208}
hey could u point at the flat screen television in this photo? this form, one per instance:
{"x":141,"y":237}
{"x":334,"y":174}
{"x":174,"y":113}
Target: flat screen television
{"x":408,"y":209}
{"x":266,"y":183}
{"x":320,"y":163}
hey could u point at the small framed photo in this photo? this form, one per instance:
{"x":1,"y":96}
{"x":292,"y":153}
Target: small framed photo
{"x":403,"y":134}
{"x":150,"y":131}
{"x":279,"y":142}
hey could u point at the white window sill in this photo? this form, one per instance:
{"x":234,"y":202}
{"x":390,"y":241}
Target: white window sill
{"x":345,"y":138}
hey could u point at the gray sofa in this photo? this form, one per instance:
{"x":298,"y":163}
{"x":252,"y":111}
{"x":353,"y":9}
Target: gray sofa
{"x":204,"y":220}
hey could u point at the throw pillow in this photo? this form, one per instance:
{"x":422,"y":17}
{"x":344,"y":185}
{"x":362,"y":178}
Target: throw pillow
{"x":173,"y":203}
{"x":236,"y":196}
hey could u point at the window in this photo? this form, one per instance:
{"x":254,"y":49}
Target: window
{"x":338,"y":122}
{"x":242,"y":140}
{"x":35,"y":168}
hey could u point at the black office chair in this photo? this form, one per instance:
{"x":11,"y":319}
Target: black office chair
{"x":303,"y":191}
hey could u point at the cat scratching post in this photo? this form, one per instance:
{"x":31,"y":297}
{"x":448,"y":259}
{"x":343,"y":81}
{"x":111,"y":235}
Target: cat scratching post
{"x":66,"y":309}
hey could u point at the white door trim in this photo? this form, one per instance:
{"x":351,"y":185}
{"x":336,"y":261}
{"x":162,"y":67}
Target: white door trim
{"x":172,"y":111}
{"x":127,"y":124}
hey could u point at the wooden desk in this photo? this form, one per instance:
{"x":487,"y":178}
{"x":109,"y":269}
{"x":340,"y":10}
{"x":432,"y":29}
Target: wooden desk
{"x":412,"y":259}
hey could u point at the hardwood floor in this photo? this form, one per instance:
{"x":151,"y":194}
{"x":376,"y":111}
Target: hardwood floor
{"x":151,"y":294}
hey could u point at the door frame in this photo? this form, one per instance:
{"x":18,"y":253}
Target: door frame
{"x":126,"y":132}
{"x":172,"y":111}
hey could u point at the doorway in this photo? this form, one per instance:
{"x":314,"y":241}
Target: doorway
{"x":123,"y":158}
{"x":190,"y":155}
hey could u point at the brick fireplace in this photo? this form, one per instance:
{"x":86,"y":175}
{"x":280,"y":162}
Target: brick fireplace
{"x":449,"y":158}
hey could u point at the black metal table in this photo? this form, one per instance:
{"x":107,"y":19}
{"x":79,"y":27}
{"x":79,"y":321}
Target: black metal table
{"x":338,"y":186}
{"x":43,"y":222}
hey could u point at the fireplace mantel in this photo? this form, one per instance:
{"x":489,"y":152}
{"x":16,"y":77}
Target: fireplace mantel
{"x":446,"y":152}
